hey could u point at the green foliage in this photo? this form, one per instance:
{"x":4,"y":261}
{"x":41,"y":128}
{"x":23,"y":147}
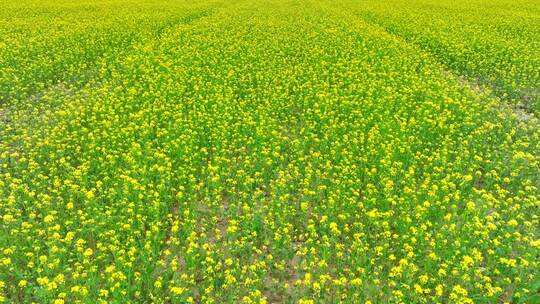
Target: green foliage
{"x":267,"y":151}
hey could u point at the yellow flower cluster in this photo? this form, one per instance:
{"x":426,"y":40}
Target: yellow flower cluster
{"x":268,"y":152}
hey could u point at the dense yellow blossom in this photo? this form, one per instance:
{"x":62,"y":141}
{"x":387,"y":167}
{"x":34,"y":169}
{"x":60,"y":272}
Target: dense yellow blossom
{"x":269,"y":151}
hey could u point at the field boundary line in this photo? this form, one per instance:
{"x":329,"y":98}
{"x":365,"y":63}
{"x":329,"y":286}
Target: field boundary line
{"x":475,"y":84}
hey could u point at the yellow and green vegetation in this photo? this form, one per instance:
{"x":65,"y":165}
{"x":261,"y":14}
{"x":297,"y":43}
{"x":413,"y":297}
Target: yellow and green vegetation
{"x":269,"y":151}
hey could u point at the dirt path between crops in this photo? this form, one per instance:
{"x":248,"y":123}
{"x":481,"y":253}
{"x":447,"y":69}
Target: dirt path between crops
{"x":523,"y":113}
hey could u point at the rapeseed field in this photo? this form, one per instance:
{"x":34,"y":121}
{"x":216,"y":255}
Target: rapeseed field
{"x":296,"y":151}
